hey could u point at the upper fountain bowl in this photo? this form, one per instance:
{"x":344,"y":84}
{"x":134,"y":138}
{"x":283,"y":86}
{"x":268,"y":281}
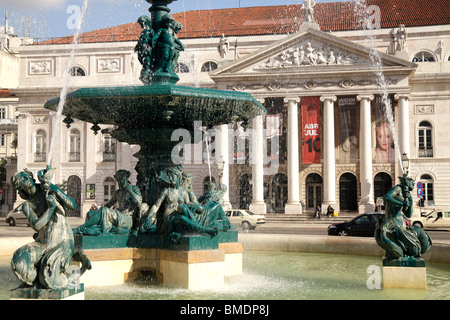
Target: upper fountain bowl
{"x":158,"y":106}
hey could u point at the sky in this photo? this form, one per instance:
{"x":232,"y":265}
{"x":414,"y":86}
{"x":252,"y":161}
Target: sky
{"x":56,"y":18}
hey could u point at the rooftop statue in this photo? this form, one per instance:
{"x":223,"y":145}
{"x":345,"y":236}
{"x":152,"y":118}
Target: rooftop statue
{"x":308,"y":10}
{"x":128,"y":207}
{"x":401,"y":241}
{"x":43,"y":263}
{"x":224,"y":47}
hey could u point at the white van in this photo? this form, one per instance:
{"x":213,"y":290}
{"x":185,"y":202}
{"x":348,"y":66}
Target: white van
{"x":436,"y":219}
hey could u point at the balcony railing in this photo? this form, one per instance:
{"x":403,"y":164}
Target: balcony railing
{"x":426,"y":153}
{"x":8,"y":121}
{"x":109,"y":156}
{"x":40,"y":157}
{"x":74,"y":157}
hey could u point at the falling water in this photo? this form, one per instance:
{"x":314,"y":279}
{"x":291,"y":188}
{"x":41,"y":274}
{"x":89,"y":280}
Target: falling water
{"x":207,"y":142}
{"x":362,"y":15}
{"x":66,"y":79}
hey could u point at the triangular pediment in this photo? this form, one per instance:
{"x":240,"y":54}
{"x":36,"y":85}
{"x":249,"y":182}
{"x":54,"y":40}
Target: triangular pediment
{"x":309,"y":50}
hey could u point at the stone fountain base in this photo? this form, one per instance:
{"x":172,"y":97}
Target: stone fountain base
{"x":195,"y":262}
{"x":33,"y":293}
{"x":405,"y":274}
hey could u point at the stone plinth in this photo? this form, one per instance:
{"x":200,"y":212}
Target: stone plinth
{"x":405,"y":274}
{"x":32,"y":293}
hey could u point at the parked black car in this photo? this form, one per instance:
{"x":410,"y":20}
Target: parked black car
{"x":360,"y":226}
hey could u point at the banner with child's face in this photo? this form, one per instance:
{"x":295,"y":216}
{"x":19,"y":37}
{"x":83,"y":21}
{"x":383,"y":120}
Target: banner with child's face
{"x":383,"y":137}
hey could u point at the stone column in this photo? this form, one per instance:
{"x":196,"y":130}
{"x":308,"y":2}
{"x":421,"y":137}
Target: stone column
{"x":258,"y":205}
{"x":25,"y":148}
{"x":403,"y":123}
{"x":329,"y":156}
{"x":366,"y":203}
{"x":293,"y":205}
{"x":223,"y":155}
{"x":90,"y":152}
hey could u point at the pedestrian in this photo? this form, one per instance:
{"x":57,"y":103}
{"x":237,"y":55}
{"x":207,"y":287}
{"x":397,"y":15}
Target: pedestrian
{"x":91,"y":212}
{"x":317,"y":212}
{"x":330,"y":211}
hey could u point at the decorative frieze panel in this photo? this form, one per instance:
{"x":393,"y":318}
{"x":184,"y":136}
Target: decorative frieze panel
{"x":109,"y":65}
{"x":43,"y":67}
{"x":39,"y":118}
{"x":308,"y":84}
{"x":310,"y":53}
{"x":424,"y":109}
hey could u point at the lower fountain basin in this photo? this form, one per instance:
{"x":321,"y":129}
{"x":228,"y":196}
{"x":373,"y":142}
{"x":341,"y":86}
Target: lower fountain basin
{"x":275,"y":275}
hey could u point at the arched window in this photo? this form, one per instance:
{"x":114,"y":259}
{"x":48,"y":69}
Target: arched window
{"x":74,"y":191}
{"x":74,"y":145}
{"x":428,"y":190}
{"x":77,"y":72}
{"x":109,"y":148}
{"x":181,"y":68}
{"x":423,"y":56}
{"x":245,"y":191}
{"x":40,"y":146}
{"x":209,"y":66}
{"x":425,"y":137}
{"x":109,"y":186}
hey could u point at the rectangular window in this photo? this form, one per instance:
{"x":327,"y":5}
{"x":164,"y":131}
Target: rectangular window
{"x":425,"y":143}
{"x":2,"y":139}
{"x":429,"y":192}
{"x":2,"y":113}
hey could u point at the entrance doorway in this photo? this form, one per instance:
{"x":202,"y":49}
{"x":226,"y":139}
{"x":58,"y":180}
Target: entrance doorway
{"x":348,"y":197}
{"x":280,"y":192}
{"x":314,"y":185}
{"x":382,"y":183}
{"x":74,"y":191}
{"x":245,"y":191}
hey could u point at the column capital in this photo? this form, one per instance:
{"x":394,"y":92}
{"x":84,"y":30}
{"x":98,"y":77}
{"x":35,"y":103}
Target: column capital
{"x":295,"y":99}
{"x":360,"y":97}
{"x":328,"y":98}
{"x":22,"y":115}
{"x":399,"y":96}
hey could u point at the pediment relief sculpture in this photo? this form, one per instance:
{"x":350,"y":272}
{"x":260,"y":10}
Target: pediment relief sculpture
{"x":310,"y":53}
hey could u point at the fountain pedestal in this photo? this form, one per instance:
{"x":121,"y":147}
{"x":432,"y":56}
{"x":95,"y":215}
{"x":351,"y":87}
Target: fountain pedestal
{"x":195,"y":262}
{"x":405,"y":273}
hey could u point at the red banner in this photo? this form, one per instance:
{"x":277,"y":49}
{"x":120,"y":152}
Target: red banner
{"x":311,"y":130}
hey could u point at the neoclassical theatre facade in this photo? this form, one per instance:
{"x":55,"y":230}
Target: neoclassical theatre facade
{"x":344,"y":104}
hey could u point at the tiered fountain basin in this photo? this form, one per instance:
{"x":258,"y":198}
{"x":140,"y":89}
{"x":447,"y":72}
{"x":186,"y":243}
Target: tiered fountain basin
{"x":158,"y":106}
{"x":148,"y":116}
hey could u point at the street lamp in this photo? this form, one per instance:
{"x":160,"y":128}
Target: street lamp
{"x":405,"y":163}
